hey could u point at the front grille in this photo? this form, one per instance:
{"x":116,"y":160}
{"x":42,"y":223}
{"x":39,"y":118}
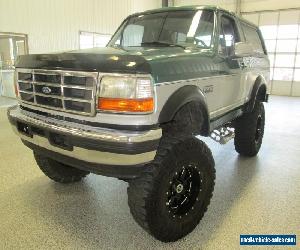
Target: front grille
{"x":68,"y":91}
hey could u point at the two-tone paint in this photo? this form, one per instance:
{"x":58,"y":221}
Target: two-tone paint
{"x":224,"y":83}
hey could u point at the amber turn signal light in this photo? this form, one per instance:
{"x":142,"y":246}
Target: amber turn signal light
{"x":126,"y":105}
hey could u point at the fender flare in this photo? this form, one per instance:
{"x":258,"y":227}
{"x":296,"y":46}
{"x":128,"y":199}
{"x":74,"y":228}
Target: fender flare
{"x":258,"y":93}
{"x":181,"y":97}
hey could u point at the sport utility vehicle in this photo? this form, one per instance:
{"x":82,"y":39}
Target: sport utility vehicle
{"x":133,"y":110}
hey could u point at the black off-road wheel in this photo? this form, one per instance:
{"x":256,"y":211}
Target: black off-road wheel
{"x":249,"y":131}
{"x":171,"y":197}
{"x":57,"y":171}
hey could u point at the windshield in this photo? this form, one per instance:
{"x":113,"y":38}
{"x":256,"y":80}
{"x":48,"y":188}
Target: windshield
{"x":177,"y":28}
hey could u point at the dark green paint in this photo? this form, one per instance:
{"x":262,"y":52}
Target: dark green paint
{"x":163,"y":63}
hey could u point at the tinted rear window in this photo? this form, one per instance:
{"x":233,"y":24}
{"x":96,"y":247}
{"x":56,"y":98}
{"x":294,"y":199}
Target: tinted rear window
{"x":253,"y":38}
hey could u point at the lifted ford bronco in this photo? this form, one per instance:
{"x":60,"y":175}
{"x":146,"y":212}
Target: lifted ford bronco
{"x":132,"y":110}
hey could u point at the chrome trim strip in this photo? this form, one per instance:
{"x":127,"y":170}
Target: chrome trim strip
{"x":55,"y":97}
{"x":56,"y":85}
{"x":93,"y":156}
{"x":62,"y":85}
{"x":31,"y":105}
{"x":62,"y":90}
{"x":101,"y":134}
{"x":33,"y":87}
{"x":192,"y":79}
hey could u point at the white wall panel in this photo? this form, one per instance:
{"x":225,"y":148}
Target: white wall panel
{"x":140,"y":5}
{"x":281,"y":88}
{"x":226,"y":4}
{"x":289,"y":17}
{"x":246,"y":5}
{"x":258,"y":5}
{"x":253,"y":18}
{"x":268,"y":18}
{"x":53,"y":25}
{"x":296,"y":89}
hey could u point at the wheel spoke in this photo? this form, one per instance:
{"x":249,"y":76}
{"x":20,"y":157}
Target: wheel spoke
{"x":183,"y":175}
{"x":172,"y":201}
{"x":184,"y":200}
{"x":187,"y":181}
{"x":184,"y":190}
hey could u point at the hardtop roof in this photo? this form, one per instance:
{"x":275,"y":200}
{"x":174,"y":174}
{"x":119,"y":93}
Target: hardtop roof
{"x":193,"y":7}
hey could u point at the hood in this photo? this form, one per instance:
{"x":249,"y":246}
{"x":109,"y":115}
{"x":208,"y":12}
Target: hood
{"x":98,"y":59}
{"x":134,"y":60}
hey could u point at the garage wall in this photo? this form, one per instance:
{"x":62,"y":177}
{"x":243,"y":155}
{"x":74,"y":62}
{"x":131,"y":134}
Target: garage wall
{"x":246,"y":5}
{"x":141,"y":5}
{"x":259,"y":5}
{"x":53,"y":25}
{"x":226,"y":4}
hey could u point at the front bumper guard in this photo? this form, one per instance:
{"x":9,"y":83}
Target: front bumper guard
{"x":89,"y":145}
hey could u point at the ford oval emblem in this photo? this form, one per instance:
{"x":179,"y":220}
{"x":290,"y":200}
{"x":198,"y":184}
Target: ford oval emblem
{"x":46,"y":90}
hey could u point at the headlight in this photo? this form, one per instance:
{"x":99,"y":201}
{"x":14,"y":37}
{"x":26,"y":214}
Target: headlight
{"x":126,"y":94}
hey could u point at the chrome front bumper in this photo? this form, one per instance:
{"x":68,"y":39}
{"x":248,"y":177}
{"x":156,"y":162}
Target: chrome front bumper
{"x":88,"y":144}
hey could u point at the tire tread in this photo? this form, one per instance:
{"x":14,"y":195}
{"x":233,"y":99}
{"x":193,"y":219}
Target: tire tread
{"x":57,"y":171}
{"x":139,"y":190}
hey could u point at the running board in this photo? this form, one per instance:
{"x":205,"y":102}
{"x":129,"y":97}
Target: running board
{"x":222,"y":135}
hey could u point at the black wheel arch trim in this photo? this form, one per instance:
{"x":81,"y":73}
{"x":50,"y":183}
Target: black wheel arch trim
{"x":258,"y":93}
{"x":181,"y":97}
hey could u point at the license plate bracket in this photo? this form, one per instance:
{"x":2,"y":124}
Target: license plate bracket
{"x":59,"y":140}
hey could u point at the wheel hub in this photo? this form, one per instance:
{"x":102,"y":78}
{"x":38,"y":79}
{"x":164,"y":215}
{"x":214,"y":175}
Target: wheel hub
{"x":179,"y":188}
{"x":185,"y":187}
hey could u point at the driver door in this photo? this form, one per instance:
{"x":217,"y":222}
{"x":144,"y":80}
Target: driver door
{"x":231,"y":87}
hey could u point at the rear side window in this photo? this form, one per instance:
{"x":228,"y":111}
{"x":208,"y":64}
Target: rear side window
{"x":252,"y":37}
{"x":228,"y":36}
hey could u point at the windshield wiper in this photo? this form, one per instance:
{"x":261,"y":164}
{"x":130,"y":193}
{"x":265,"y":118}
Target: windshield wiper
{"x":163,"y":43}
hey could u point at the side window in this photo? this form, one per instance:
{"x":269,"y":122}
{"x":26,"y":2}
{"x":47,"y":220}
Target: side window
{"x":252,"y":37}
{"x":189,"y":27}
{"x":228,"y":36}
{"x":204,"y":32}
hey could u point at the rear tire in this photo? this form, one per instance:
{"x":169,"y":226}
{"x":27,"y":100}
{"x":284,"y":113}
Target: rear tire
{"x":249,"y":131}
{"x":57,"y":171}
{"x":171,"y":197}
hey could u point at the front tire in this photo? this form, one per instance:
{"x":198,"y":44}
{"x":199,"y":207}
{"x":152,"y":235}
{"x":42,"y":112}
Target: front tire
{"x":171,"y":197}
{"x":57,"y":171}
{"x":249,"y":131}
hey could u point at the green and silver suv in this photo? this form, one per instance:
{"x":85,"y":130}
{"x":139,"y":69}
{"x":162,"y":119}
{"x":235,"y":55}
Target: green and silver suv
{"x":133,"y":110}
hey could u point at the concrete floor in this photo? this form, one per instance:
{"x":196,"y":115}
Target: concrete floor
{"x":260,"y":195}
{"x":6,"y":101}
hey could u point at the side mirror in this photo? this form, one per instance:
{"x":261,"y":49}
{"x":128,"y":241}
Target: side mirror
{"x":243,"y":49}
